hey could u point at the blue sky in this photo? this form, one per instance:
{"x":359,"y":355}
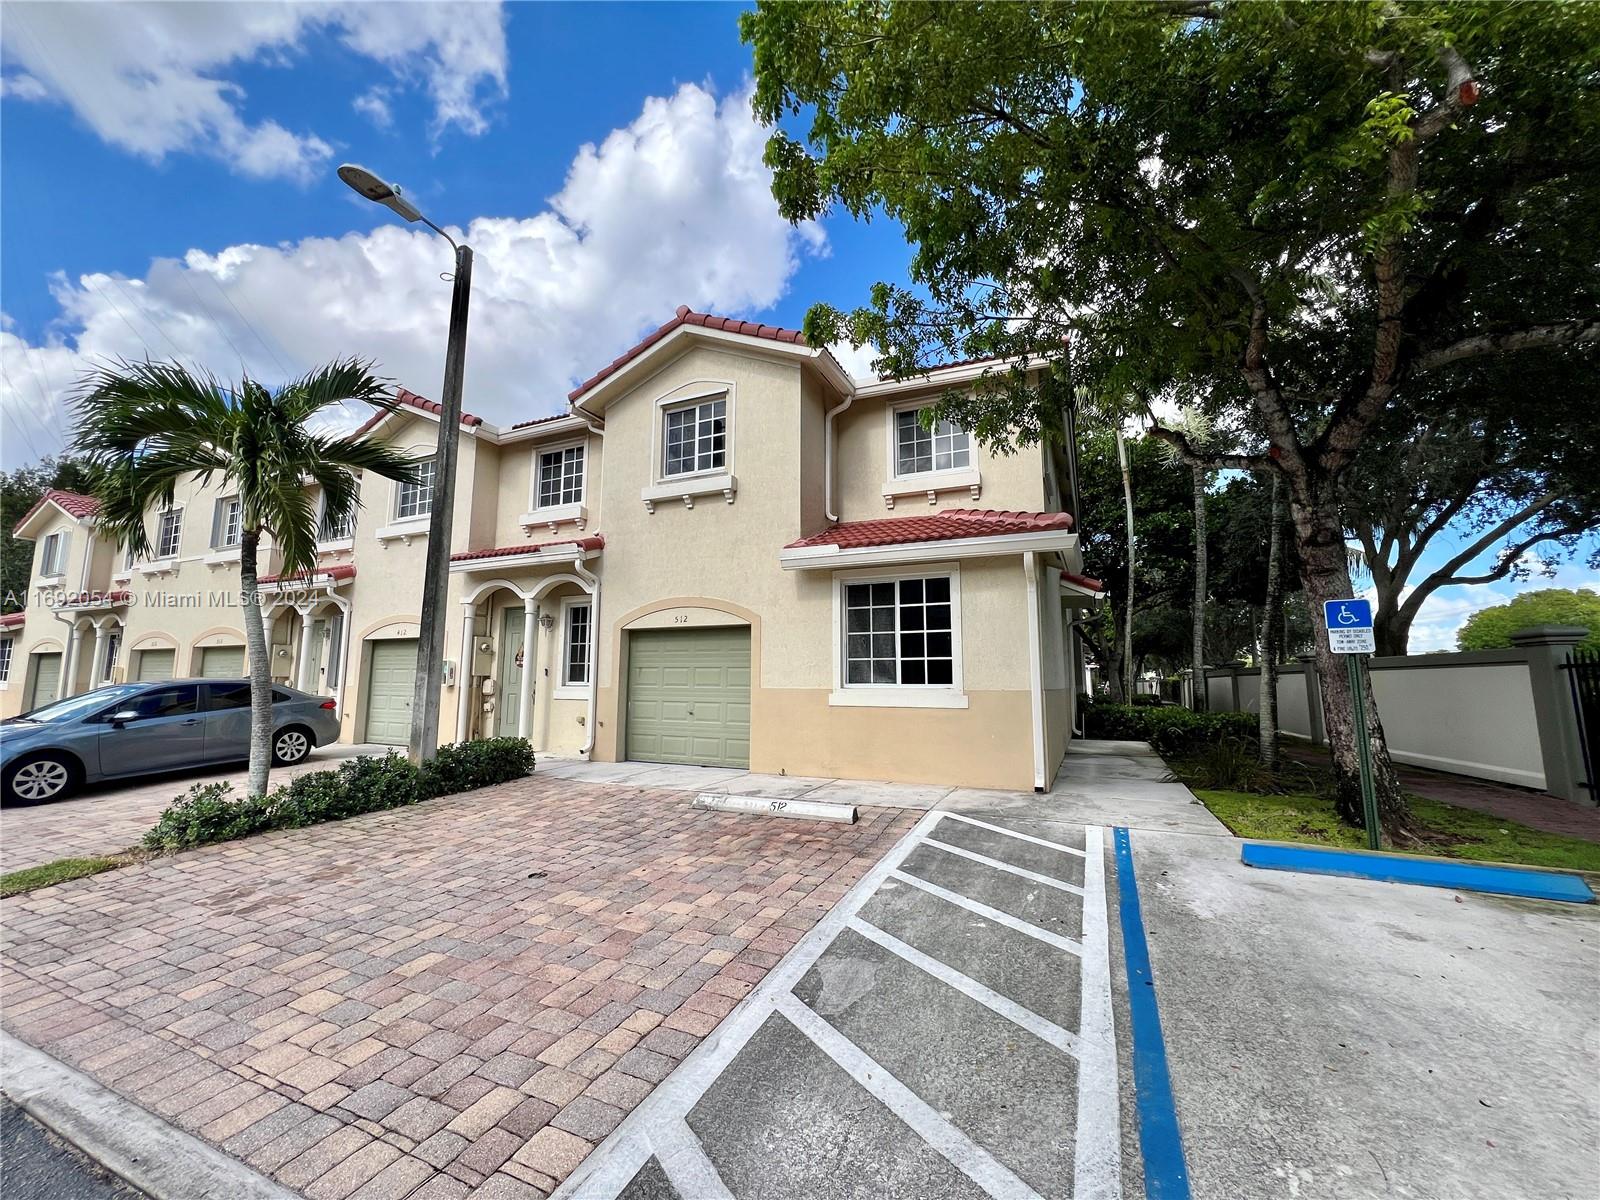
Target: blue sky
{"x":169,"y":189}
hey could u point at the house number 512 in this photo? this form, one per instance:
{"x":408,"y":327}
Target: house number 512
{"x":680,"y":618}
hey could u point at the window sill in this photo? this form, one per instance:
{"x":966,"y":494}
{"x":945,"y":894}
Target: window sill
{"x":404,"y":530}
{"x":218,"y":557}
{"x":555,"y":514}
{"x":856,"y":697}
{"x":165,"y":566}
{"x":336,"y":545}
{"x":931,"y":483}
{"x":688,"y":487}
{"x":570,"y":691}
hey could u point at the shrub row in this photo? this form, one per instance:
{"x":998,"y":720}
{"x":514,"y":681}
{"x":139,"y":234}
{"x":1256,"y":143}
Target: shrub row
{"x":1169,"y":729}
{"x":211,"y":812}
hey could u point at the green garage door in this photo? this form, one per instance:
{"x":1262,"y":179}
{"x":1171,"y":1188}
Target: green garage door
{"x":46,"y":680}
{"x":155,"y":664}
{"x":689,"y":696}
{"x":222,"y":662}
{"x":391,"y":682}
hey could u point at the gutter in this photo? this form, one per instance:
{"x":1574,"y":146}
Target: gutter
{"x":1030,"y":570}
{"x":827,"y":458}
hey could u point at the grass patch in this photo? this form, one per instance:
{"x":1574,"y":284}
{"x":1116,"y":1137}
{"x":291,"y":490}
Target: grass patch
{"x":1449,"y":831}
{"x":31,"y":879}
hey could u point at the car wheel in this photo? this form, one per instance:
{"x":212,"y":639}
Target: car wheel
{"x":37,"y":780}
{"x":290,"y":746}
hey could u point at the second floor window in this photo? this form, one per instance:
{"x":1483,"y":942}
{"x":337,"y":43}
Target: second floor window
{"x":336,"y":529}
{"x":945,"y":447}
{"x":697,"y":438}
{"x":5,"y":660}
{"x":561,"y":477}
{"x":53,"y":557}
{"x":171,"y":533}
{"x":416,"y":499}
{"x":230,"y":522}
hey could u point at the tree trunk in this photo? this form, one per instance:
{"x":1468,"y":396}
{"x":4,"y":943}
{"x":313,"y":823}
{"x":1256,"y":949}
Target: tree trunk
{"x":1271,"y":623}
{"x":1199,"y":613}
{"x":256,"y":649}
{"x":1127,"y":629}
{"x":1325,"y":575}
{"x":1391,"y":626}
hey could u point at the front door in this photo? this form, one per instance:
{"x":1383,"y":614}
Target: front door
{"x":509,"y":694}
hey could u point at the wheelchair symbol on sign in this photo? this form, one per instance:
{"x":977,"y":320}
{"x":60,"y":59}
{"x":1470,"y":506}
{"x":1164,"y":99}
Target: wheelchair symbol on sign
{"x":1346,"y":617}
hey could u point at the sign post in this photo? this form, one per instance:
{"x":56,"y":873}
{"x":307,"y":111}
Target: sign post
{"x":1349,"y":624}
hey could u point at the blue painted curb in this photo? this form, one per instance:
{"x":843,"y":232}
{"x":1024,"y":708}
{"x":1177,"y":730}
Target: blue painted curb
{"x":1441,"y":873}
{"x":1166,"y":1174}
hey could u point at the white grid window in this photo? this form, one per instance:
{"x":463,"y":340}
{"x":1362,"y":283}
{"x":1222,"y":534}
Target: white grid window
{"x":946,"y":447}
{"x":231,"y":525}
{"x":5,"y":660}
{"x":50,"y":559}
{"x":416,"y":499}
{"x":335,"y":529}
{"x":575,"y":659}
{"x":898,"y":633}
{"x":171,"y":534}
{"x":561,"y":477}
{"x":697,"y":438}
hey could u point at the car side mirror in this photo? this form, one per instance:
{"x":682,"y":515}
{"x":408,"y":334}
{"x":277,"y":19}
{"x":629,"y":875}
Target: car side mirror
{"x":122,"y":718}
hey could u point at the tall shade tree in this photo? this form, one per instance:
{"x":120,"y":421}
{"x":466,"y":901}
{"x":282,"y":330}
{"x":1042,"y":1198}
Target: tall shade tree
{"x":141,"y":428}
{"x":1293,"y":211}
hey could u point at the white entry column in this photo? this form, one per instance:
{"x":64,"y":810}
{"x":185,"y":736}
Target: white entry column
{"x":69,"y":668}
{"x":530,"y":630}
{"x":302,"y":665}
{"x":97,"y":665}
{"x":464,"y":670}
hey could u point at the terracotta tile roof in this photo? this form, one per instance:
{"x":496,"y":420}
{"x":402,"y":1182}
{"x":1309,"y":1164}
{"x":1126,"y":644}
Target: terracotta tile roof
{"x":542,"y":420}
{"x":1083,"y":581}
{"x":410,"y":399}
{"x":95,"y":599}
{"x":345,"y":571}
{"x":949,"y":525}
{"x":687,"y":316}
{"x":75,"y":504}
{"x":594,"y":541}
{"x":9,"y":620}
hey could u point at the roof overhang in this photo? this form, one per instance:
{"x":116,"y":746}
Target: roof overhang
{"x":324,"y":580}
{"x":47,"y":508}
{"x":834,"y":558}
{"x":562,"y":426}
{"x":952,"y":376}
{"x":92,"y":602}
{"x":567,"y":552}
{"x":1079,"y":591}
{"x":594,"y":398}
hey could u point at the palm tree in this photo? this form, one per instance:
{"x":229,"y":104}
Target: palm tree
{"x":142,"y":427}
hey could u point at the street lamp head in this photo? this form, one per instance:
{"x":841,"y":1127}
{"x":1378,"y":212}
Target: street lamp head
{"x":379,"y":190}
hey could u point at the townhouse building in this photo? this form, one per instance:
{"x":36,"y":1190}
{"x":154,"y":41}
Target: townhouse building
{"x":725,"y":552}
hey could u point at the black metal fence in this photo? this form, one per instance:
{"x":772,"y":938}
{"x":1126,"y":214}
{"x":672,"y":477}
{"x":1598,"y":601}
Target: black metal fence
{"x":1583,"y":672}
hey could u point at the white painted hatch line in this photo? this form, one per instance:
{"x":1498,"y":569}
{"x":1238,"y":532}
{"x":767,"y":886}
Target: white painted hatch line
{"x":997,"y":865}
{"x":994,"y":914}
{"x":1013,"y":833}
{"x":1097,"y":1145}
{"x":684,"y":1160}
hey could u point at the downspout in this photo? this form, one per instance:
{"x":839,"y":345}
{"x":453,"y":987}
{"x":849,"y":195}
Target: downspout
{"x":1030,"y":569}
{"x":593,"y":582}
{"x":827,"y":459}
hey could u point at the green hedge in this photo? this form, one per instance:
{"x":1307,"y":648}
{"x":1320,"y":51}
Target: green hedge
{"x":210,"y":812}
{"x":1170,"y":730}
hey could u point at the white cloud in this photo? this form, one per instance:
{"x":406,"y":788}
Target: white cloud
{"x":1443,"y":613}
{"x":374,"y":105}
{"x":856,"y":360}
{"x":150,"y":78}
{"x":673,"y":209}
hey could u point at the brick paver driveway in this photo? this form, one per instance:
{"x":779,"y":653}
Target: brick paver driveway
{"x":110,"y":817}
{"x":456,"y":999}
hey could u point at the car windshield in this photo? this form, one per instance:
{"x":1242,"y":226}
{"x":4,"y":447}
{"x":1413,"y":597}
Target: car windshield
{"x":74,"y":707}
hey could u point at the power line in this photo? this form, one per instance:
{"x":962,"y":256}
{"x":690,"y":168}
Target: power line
{"x":183,"y":273}
{"x":282,"y":366}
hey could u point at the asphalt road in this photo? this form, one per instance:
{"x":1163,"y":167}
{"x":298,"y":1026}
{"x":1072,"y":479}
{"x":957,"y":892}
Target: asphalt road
{"x":40,"y":1166}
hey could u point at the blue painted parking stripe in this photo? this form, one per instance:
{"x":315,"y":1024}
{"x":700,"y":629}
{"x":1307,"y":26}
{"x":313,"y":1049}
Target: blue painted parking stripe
{"x":1441,"y":873}
{"x":1166,"y":1175}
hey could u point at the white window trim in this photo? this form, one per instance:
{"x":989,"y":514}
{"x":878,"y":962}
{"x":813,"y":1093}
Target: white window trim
{"x":10,"y":657}
{"x":710,"y":389}
{"x":564,"y":690}
{"x":398,"y":489}
{"x":905,"y":695}
{"x":557,"y":512}
{"x":920,"y":482}
{"x":60,"y":569}
{"x":161,"y":523}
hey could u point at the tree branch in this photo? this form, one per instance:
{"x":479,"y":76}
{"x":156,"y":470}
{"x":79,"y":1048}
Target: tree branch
{"x":1535,"y":337}
{"x":1211,"y":462}
{"x":1461,"y":91}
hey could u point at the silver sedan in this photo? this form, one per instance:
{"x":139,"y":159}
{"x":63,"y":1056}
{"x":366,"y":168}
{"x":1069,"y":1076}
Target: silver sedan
{"x":145,"y":728}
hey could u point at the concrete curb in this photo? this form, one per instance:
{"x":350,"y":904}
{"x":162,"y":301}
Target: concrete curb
{"x":133,"y":1144}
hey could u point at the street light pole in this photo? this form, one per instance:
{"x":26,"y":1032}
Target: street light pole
{"x":441,"y":512}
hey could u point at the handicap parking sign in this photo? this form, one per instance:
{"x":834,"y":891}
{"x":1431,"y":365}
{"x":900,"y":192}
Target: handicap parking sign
{"x":1349,"y":625}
